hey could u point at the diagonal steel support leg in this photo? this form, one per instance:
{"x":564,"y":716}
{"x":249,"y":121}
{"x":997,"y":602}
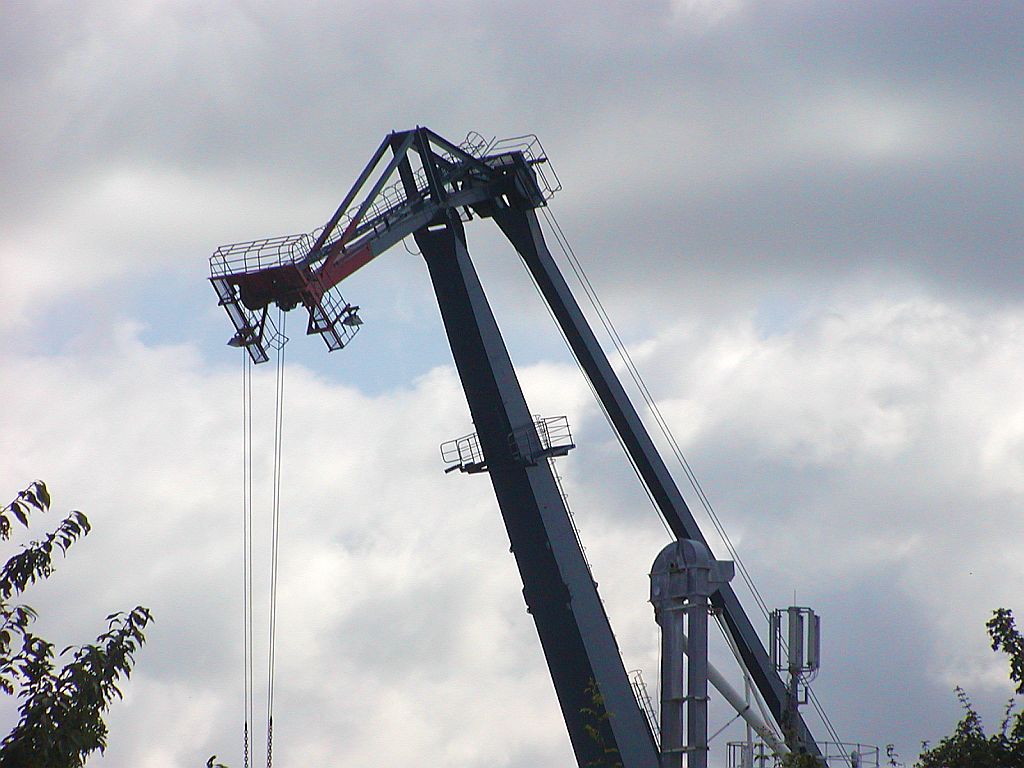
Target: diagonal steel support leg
{"x":559,"y":590}
{"x":523,"y":229}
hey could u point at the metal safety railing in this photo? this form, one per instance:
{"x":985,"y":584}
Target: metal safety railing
{"x":834,"y":754}
{"x":463,"y":453}
{"x":546,"y":437}
{"x":257,"y":255}
{"x":643,"y":698}
{"x":389,"y":206}
{"x":533,"y":152}
{"x":334,"y":319}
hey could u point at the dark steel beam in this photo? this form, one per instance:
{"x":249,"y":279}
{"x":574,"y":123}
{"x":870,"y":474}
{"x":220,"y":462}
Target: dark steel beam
{"x":399,"y":155}
{"x":367,"y":170}
{"x":522,"y":228}
{"x":459,"y":152}
{"x":437,"y":193}
{"x":558,"y":587}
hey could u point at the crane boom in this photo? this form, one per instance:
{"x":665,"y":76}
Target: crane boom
{"x":558,"y":588}
{"x":438,"y":187}
{"x":523,"y":230}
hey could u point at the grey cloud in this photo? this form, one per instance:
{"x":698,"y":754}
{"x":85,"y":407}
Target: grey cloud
{"x":720,"y":147}
{"x":806,"y":217}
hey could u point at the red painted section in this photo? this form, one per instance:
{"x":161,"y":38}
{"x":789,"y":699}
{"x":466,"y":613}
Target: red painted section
{"x":341,"y":265}
{"x":291,"y":284}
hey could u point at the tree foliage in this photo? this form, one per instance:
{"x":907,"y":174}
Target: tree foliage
{"x":799,"y":760}
{"x":597,"y":715}
{"x":1006,"y":638}
{"x":61,"y":709}
{"x":969,"y":746}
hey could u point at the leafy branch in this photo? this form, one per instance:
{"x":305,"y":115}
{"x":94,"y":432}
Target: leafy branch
{"x":35,"y":497}
{"x":599,"y":717}
{"x":61,"y":711}
{"x":969,"y":746}
{"x":1005,"y":637}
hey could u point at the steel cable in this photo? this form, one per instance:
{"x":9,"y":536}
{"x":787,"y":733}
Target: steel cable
{"x":247,"y":551}
{"x":648,"y":398}
{"x":275,"y":531}
{"x":600,"y":403}
{"x":620,"y":347}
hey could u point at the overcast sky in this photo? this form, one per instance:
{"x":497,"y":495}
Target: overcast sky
{"x":804,"y":218}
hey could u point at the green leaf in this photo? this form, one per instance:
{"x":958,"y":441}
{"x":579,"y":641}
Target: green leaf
{"x":42,"y":493}
{"x":60,"y":711}
{"x":82,"y":521}
{"x":19,"y":512}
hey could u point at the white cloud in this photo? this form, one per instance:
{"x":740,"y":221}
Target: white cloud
{"x":399,"y":605}
{"x":804,"y":216}
{"x":122,"y":224}
{"x":705,"y":14}
{"x":907,"y":417}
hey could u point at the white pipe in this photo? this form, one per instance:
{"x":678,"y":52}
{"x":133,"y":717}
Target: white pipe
{"x":744,"y":709}
{"x":758,"y":699}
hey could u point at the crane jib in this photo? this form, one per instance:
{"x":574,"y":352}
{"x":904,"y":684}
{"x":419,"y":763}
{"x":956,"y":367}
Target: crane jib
{"x":429,"y":188}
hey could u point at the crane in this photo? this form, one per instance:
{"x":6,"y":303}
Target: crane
{"x":419,"y":184}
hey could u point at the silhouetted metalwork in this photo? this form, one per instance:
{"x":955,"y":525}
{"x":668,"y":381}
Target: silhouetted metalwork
{"x":418,"y":183}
